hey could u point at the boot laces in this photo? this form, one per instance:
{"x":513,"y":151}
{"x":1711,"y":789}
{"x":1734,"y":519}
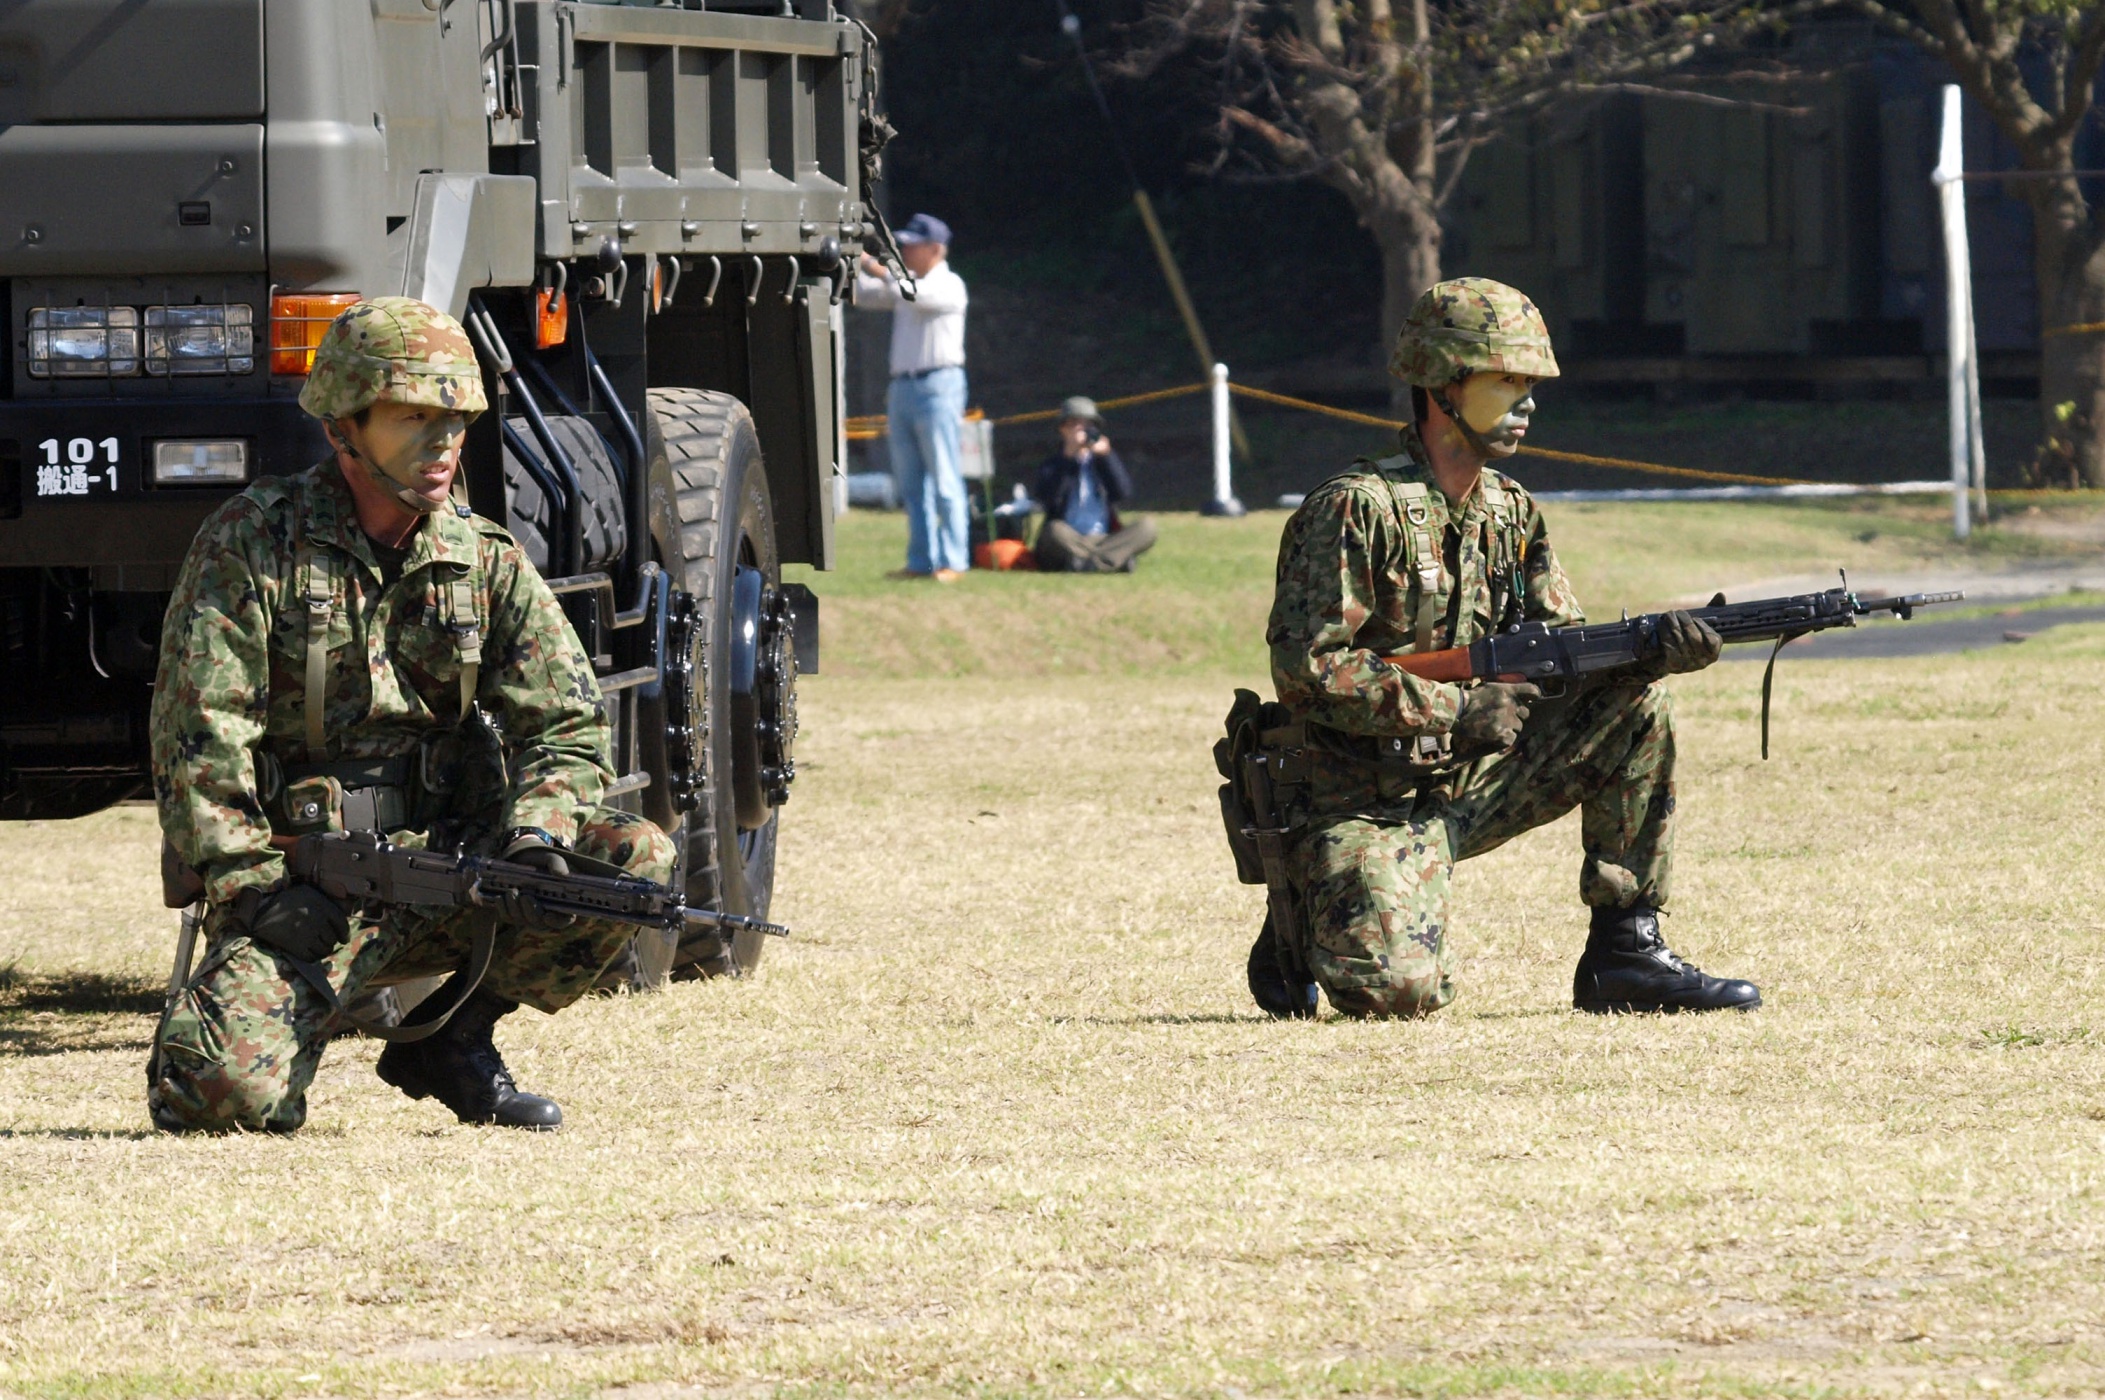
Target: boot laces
{"x":491,"y":1070}
{"x":1651,"y":944}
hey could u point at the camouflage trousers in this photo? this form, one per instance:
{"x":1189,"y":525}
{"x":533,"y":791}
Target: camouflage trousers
{"x":242,"y":1043}
{"x":1375,"y":886}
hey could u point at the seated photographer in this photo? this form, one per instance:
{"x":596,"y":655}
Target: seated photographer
{"x":1079,"y":488}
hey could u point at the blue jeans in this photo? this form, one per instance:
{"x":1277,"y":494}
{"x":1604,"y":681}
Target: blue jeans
{"x":923,"y":415}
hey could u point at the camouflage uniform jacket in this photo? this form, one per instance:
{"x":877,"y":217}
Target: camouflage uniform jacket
{"x":1378,"y":562}
{"x":234,"y":654}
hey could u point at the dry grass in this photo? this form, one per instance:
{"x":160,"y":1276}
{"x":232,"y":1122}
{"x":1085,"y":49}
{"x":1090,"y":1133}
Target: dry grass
{"x":1001,"y":1121}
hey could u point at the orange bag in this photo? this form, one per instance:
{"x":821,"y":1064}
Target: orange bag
{"x":1002,"y":556}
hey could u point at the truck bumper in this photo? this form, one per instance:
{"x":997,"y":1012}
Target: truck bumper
{"x":76,"y":475}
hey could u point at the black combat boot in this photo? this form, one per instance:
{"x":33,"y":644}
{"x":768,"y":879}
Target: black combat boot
{"x":460,"y":1067}
{"x":1628,"y":967}
{"x":1278,"y":996}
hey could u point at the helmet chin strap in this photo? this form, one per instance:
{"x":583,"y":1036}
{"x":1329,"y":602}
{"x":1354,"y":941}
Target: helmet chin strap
{"x":412,"y":500}
{"x":1470,"y":435}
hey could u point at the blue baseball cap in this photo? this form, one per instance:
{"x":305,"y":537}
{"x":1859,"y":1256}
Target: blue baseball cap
{"x":924,"y":228}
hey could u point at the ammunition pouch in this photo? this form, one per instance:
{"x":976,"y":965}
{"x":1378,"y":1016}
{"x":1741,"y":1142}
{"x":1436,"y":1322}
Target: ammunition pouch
{"x":1266,"y":769}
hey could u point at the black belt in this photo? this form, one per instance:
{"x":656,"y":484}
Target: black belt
{"x":376,"y":791}
{"x":924,"y":373}
{"x":358,"y":772}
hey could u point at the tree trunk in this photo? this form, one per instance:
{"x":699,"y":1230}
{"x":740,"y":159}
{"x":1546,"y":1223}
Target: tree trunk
{"x":1409,"y":239}
{"x":2069,"y":269}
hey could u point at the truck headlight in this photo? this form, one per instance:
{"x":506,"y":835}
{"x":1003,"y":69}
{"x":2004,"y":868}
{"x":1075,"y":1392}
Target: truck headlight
{"x":201,"y":339}
{"x":200,"y":462}
{"x":82,"y":342}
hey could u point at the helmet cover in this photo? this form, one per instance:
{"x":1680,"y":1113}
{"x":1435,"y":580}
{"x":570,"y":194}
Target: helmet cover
{"x":393,"y":350}
{"x":1467,"y":326}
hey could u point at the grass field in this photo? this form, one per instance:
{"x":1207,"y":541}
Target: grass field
{"x":1197,"y":605}
{"x":1000,"y":1120}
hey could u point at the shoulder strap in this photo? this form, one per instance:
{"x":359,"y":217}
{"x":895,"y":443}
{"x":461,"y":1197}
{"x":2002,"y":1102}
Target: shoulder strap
{"x":466,"y":628}
{"x":319,"y":588}
{"x":1413,"y":501}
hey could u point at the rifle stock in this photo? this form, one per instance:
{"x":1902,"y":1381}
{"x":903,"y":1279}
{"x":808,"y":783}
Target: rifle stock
{"x":1452,"y":664}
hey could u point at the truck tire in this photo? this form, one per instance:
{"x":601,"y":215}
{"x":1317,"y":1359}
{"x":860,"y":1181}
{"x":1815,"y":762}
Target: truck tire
{"x":706,"y":453}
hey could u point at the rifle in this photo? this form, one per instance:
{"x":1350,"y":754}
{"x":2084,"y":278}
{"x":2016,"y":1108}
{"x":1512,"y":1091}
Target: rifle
{"x":1535,"y":651}
{"x":365,"y":866}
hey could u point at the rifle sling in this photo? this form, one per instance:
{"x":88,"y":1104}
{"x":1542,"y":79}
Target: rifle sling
{"x":1768,"y":675}
{"x":482,"y":944}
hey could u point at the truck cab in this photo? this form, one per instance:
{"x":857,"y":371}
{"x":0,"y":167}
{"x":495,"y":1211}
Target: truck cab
{"x":645,"y":213}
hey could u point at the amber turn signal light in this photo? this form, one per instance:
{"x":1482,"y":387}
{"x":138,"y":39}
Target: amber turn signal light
{"x":297,"y":321}
{"x":551,"y":318}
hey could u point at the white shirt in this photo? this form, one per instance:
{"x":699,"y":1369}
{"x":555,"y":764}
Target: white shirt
{"x":927,"y":332}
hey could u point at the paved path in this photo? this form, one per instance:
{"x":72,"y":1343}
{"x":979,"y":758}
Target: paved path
{"x":2012,"y":582}
{"x":1925,"y":636}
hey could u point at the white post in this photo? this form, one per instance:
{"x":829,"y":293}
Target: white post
{"x":1223,"y":502}
{"x":1963,"y":384}
{"x":837,"y":324}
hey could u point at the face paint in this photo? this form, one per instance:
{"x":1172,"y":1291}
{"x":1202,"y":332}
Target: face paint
{"x":412,"y":452}
{"x":1496,"y":407}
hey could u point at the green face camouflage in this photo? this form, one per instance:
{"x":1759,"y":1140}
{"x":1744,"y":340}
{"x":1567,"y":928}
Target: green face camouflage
{"x":1469,"y":325}
{"x":393,"y":350}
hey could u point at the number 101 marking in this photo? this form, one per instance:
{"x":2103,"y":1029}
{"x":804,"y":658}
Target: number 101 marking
{"x":70,"y":477}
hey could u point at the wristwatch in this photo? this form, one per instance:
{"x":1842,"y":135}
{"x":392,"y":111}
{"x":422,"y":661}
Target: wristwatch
{"x":517,"y":834}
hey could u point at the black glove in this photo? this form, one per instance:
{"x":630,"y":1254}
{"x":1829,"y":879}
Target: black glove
{"x":522,"y":910}
{"x":1492,"y":715}
{"x":298,"y":921}
{"x":1686,"y":643}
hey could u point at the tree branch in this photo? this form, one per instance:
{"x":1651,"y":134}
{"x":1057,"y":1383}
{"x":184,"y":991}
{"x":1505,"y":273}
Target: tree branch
{"x":2080,"y":74}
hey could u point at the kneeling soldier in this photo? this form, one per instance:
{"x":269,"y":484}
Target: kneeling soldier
{"x":1404,"y":776}
{"x":333,"y":647}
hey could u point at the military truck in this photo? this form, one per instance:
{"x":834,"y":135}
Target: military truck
{"x":647,"y":214}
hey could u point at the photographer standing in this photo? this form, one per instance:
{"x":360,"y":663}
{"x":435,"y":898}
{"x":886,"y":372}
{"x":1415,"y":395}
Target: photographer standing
{"x":1079,"y":488}
{"x":926,"y":402}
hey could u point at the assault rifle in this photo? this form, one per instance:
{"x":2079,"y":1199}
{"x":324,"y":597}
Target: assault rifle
{"x":362,"y":866}
{"x":1535,"y":651}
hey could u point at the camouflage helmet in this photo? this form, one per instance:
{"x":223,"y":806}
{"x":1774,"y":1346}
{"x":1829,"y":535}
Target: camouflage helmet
{"x":393,"y":350}
{"x":1470,"y":324}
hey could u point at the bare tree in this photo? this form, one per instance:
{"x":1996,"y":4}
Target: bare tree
{"x":2035,"y":67}
{"x":1385,"y":99}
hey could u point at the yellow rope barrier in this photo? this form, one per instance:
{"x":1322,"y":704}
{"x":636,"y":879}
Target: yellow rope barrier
{"x":871,"y":427}
{"x":1583,"y":459}
{"x":2081,"y":328}
{"x":1047,"y":415}
{"x":1657,"y":469}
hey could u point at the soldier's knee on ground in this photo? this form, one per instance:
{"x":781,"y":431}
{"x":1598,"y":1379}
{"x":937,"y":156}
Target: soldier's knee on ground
{"x":634,"y":843}
{"x":193,"y":1091}
{"x":1405,"y":997}
{"x":229,"y":1054}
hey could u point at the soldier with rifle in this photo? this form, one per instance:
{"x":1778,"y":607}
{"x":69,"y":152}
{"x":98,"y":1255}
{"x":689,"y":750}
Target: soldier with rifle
{"x":1377,"y":780}
{"x":351,"y":649}
{"x":1418,"y":605}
